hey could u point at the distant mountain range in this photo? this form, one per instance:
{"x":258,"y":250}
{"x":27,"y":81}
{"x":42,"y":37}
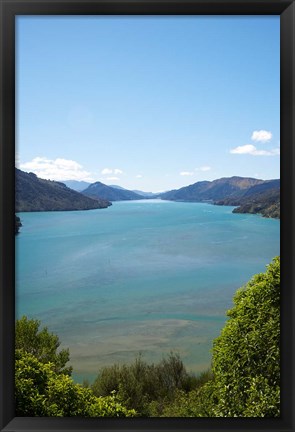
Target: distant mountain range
{"x":263,"y":198}
{"x":147,"y":194}
{"x":35,"y":194}
{"x":107,"y":192}
{"x":111,"y":193}
{"x":76,"y":184}
{"x":138,"y":192}
{"x":211,"y":190}
{"x":248,"y":194}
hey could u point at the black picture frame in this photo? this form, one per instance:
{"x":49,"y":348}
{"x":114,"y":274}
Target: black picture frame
{"x":9,"y":9}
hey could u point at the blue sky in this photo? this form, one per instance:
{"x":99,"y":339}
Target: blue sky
{"x":150,"y":103}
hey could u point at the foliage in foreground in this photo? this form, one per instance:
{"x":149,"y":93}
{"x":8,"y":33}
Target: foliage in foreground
{"x":245,"y":377}
{"x":40,"y":391}
{"x":246,"y":356}
{"x":41,"y":344}
{"x":147,"y":388}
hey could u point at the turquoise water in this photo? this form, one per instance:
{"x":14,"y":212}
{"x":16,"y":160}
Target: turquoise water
{"x":143,"y":276}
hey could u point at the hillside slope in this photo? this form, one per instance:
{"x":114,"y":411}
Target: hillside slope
{"x":249,"y":195}
{"x":263,"y":199}
{"x":212,"y":190}
{"x":35,"y":194}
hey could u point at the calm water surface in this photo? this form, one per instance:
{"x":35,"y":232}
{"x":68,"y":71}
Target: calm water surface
{"x":143,"y":276}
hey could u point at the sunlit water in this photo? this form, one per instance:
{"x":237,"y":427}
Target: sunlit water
{"x":142,"y":276}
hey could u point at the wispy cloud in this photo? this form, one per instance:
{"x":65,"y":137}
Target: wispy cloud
{"x":58,"y":169}
{"x":250,"y":149}
{"x":245,"y":149}
{"x":138,"y":176}
{"x":204,"y":168}
{"x":107,"y":171}
{"x":261,"y":136}
{"x":186,"y":173}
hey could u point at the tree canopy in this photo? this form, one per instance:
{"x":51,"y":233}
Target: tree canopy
{"x":246,"y":355}
{"x":40,"y":391}
{"x":42,"y":344}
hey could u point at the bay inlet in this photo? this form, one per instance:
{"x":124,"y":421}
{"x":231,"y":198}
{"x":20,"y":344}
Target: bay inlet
{"x":146,"y":276}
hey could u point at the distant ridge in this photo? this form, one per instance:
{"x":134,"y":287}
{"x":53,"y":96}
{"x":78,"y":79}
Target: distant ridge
{"x":76,"y":184}
{"x":248,"y":194}
{"x":147,"y":194}
{"x":35,"y":194}
{"x":263,"y":198}
{"x":110,"y":193}
{"x":212,"y":190}
{"x":138,"y":192}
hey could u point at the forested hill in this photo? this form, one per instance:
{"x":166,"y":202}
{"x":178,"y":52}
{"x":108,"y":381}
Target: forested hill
{"x":35,"y":194}
{"x":110,"y":193}
{"x":212,"y":190}
{"x":248,"y":194}
{"x":263,"y":199}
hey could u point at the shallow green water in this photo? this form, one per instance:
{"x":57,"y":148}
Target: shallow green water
{"x":142,"y":276}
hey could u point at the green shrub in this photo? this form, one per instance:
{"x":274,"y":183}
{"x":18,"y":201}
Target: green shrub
{"x":246,"y":356}
{"x":40,"y":391}
{"x":41,"y":344}
{"x":140,"y":383}
{"x":184,"y":402}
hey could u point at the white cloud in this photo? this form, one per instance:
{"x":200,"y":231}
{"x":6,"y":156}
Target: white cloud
{"x":186,"y":173}
{"x":106,"y":171}
{"x":250,"y":149}
{"x":261,"y":136}
{"x":204,"y":168}
{"x":59,"y":169}
{"x":115,"y":171}
{"x":139,"y":176}
{"x":245,"y":149}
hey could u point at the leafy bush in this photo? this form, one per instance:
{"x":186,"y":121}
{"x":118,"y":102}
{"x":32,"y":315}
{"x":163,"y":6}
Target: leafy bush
{"x":41,"y":344}
{"x":184,"y":402}
{"x":246,"y":356}
{"x":40,"y":391}
{"x":183,"y":405}
{"x":148,"y":388}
